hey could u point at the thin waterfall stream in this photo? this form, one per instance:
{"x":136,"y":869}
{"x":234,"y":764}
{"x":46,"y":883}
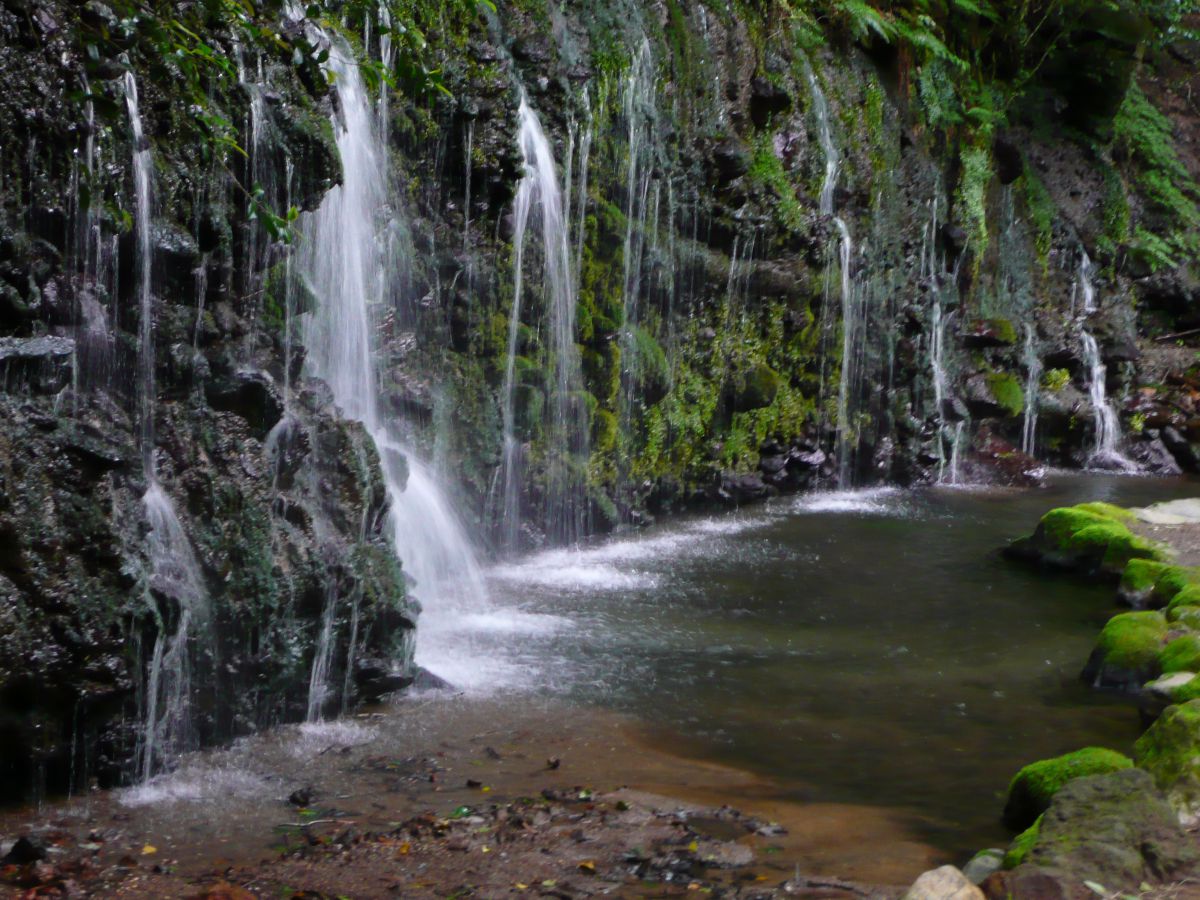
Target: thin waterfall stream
{"x":175,"y":589}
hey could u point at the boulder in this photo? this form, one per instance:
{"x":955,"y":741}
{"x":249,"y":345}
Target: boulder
{"x":1126,"y":655}
{"x":1170,"y":752}
{"x":1117,"y":830}
{"x":946,"y":883}
{"x":1032,"y":789}
{"x":983,"y":864}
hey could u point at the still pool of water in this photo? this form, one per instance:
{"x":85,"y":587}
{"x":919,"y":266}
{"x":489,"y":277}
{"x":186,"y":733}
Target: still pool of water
{"x":855,"y":648}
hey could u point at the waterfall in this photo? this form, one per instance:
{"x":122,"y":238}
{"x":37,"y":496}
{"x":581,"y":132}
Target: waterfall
{"x":345,"y":256}
{"x":852,"y":300}
{"x":638,"y":108}
{"x":939,"y":319}
{"x":1033,"y":377}
{"x":1106,"y":453}
{"x":175,"y":575}
{"x":567,"y":426}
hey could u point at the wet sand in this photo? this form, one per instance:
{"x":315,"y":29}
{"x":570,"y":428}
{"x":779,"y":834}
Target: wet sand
{"x":225,"y":816}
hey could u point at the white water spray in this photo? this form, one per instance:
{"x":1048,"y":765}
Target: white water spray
{"x":345,"y":255}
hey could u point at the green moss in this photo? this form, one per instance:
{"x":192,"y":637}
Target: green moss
{"x":972,"y":196}
{"x":1170,"y":752}
{"x":1181,"y":655}
{"x":1132,"y":640}
{"x":1007,"y":391}
{"x":1031,"y":789}
{"x":1187,"y":597}
{"x":1022,"y":844}
{"x":1148,"y":138}
{"x":767,"y":168}
{"x":1054,"y":380}
{"x":1040,"y":206}
{"x":1109,"y":511}
{"x":1141,"y":574}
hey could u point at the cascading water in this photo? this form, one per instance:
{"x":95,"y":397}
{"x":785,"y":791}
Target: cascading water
{"x":638,"y":106}
{"x":1033,"y":380}
{"x":932,"y":267}
{"x":852,"y":306}
{"x":345,"y":256}
{"x":566,"y":431}
{"x":1106,"y":453}
{"x":174,"y":572}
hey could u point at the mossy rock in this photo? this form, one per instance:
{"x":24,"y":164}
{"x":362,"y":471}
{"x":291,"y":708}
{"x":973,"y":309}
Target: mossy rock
{"x":1022,"y":844}
{"x":1108,"y":510}
{"x":1092,"y":538}
{"x":1181,"y":655}
{"x":1170,"y":752}
{"x":1115,"y":829}
{"x":754,"y":388}
{"x":1126,"y":653}
{"x":1008,"y":393}
{"x":1187,"y":598}
{"x":1032,"y":788}
{"x":1151,"y":584}
{"x":1137,"y":582}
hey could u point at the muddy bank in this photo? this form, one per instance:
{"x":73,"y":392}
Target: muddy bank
{"x":438,"y":797}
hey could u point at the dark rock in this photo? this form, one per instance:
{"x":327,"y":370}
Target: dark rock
{"x":24,"y":852}
{"x":766,"y":99}
{"x":251,"y":395}
{"x":302,"y":796}
{"x":40,"y":365}
{"x":1180,"y":448}
{"x":739,"y":489}
{"x":732,"y":160}
{"x":1010,"y":164}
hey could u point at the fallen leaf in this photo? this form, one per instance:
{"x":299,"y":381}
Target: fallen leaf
{"x":588,"y":867}
{"x":149,"y":849}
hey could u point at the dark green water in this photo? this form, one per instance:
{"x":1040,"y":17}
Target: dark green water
{"x":867,"y":648}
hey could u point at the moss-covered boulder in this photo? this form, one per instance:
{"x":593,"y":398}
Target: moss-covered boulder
{"x":1187,"y":598}
{"x":1170,"y":752}
{"x":1126,"y":655}
{"x":1180,"y":655}
{"x":1117,"y":830}
{"x":1153,"y":584}
{"x":752,"y":388}
{"x":1033,"y":787}
{"x":1092,"y":538}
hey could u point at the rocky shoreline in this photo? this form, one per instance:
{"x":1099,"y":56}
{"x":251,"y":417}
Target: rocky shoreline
{"x":1095,"y":821}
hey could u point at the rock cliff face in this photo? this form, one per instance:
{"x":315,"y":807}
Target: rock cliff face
{"x":647,"y":253}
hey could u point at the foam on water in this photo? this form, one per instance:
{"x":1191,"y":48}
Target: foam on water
{"x":197,"y":784}
{"x":872,"y":501}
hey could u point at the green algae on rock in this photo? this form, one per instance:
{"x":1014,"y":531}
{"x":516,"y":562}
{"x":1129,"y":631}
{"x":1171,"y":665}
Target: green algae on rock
{"x":1031,"y":790}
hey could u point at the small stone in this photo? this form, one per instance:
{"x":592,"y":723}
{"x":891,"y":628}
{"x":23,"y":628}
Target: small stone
{"x":983,"y":864}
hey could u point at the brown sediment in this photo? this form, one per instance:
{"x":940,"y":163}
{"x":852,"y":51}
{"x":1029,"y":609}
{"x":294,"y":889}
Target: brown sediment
{"x":478,"y":796}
